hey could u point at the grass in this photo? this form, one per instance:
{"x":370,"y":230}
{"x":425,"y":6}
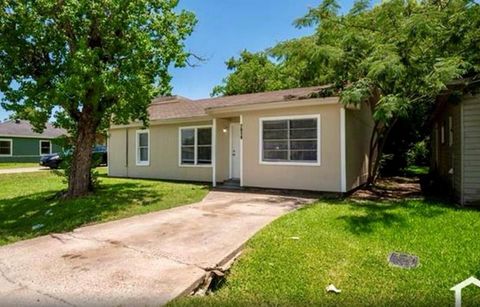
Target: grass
{"x":347,"y":243}
{"x":29,"y":199}
{"x":415,"y":170}
{"x":7,"y":165}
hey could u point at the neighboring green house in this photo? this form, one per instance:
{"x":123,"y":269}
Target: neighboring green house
{"x":19,"y":143}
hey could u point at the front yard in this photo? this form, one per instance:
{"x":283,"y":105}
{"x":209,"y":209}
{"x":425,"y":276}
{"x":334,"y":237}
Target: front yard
{"x":8,"y":165}
{"x":29,"y":208}
{"x":347,"y":243}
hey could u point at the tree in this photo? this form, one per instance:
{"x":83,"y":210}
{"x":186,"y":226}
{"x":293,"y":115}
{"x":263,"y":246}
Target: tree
{"x":394,"y":57}
{"x":253,"y":73}
{"x":90,"y":62}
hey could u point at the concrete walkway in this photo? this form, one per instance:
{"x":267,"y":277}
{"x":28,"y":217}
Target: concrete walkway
{"x":143,"y":260}
{"x":23,"y":170}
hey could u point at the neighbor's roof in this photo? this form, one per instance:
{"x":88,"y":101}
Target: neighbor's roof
{"x":23,"y":128}
{"x":177,"y":107}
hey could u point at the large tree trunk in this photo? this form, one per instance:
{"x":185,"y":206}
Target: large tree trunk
{"x":80,"y":181}
{"x":378,"y":140}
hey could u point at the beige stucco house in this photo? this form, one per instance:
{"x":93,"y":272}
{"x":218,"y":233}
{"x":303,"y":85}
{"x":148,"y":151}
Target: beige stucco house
{"x":282,"y":139}
{"x":456,"y":145}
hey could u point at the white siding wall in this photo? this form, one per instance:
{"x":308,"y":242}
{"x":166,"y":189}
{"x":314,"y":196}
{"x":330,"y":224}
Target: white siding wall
{"x":471,"y":149}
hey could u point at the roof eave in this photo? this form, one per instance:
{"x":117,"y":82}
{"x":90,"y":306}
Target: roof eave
{"x":170,"y":121}
{"x":273,"y":105}
{"x":29,"y":136}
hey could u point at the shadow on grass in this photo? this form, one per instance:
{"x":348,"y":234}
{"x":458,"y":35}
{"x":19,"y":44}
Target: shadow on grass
{"x":18,"y":215}
{"x":365,"y":216}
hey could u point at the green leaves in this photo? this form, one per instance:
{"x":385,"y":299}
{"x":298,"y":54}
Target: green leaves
{"x":315,"y":16}
{"x":112,"y":56}
{"x":407,"y":50}
{"x":389,"y":107}
{"x":445,"y":70}
{"x":253,"y":73}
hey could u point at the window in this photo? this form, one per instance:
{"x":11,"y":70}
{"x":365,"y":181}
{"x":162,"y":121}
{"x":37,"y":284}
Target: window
{"x":5,"y":147}
{"x":143,"y":147}
{"x":292,"y":140}
{"x":450,"y":131}
{"x":45,"y":148}
{"x":196,"y":146}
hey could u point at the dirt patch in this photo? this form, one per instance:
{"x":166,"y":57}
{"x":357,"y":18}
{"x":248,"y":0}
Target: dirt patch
{"x":391,"y":188}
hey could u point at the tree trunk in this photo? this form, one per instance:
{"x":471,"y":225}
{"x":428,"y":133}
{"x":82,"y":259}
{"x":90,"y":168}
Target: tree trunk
{"x":376,"y":149}
{"x":371,"y":155}
{"x":80,"y":181}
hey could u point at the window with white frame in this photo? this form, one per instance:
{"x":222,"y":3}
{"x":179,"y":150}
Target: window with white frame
{"x":450,"y":131}
{"x":5,"y":147}
{"x":196,"y":145}
{"x":143,"y":147}
{"x":290,"y":140}
{"x":45,"y":148}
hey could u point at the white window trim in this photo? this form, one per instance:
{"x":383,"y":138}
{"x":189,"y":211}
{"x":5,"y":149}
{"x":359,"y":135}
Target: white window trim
{"x":40,"y":147}
{"x":195,"y":148}
{"x":11,"y":147}
{"x":292,"y":163}
{"x":137,"y":152}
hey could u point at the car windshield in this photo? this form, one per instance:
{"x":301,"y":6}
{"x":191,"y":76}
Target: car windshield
{"x":96,"y":148}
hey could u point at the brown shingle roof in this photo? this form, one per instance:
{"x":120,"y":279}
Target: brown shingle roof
{"x":24,"y":128}
{"x":176,"y":107}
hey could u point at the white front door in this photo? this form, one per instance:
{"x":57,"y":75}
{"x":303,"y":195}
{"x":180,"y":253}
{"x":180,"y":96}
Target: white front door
{"x":235,"y":150}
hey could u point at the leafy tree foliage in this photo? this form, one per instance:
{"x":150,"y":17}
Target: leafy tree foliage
{"x":94,"y":61}
{"x":394,"y":56}
{"x":253,"y":73}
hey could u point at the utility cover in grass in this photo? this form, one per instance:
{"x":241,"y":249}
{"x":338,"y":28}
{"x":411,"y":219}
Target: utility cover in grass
{"x":404,"y":261}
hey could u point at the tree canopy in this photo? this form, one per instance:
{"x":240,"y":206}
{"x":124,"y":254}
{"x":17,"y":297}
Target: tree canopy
{"x":394,"y":55}
{"x":93,"y":61}
{"x":253,"y":73}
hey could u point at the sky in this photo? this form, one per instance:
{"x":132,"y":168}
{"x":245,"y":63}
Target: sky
{"x":224,"y":29}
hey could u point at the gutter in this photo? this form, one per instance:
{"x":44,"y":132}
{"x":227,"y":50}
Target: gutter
{"x":272,"y":105}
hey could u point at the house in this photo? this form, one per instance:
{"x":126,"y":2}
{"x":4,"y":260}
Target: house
{"x":282,"y":139}
{"x":19,"y":143}
{"x":456,"y":145}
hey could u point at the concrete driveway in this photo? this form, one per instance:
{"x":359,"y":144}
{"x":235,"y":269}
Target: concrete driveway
{"x":143,"y":260}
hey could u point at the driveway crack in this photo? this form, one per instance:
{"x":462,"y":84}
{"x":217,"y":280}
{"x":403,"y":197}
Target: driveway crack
{"x":21,"y":285}
{"x":141,"y":251}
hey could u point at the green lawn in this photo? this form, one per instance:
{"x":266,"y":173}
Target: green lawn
{"x":415,"y":170}
{"x":5,"y":165}
{"x":347,"y":244}
{"x":29,"y":199}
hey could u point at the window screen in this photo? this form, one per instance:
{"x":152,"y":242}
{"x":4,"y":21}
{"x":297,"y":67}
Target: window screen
{"x":142,"y":148}
{"x":290,"y":140}
{"x":45,"y":148}
{"x":196,"y":146}
{"x":5,"y":147}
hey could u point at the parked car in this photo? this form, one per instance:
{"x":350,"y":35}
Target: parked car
{"x":54,"y":160}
